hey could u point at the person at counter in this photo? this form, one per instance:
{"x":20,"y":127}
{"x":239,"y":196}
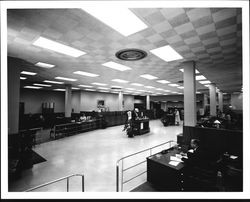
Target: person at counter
{"x":82,"y":117}
{"x":135,"y":114}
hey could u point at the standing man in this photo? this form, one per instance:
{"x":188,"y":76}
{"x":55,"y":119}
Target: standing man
{"x":177,"y":117}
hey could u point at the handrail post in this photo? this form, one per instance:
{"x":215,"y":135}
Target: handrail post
{"x":122,"y":177}
{"x":82,"y":183}
{"x":117,"y":177}
{"x":67,"y":184}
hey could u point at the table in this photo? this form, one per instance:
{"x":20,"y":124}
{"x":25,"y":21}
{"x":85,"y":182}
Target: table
{"x":141,"y":126}
{"x":164,"y":176}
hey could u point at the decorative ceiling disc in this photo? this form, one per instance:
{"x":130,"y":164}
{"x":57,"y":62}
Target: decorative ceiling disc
{"x":131,"y":54}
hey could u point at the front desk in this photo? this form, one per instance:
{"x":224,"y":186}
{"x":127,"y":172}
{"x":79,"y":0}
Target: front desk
{"x":141,"y":126}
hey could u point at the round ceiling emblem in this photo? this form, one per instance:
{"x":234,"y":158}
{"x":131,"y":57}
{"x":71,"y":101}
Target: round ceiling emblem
{"x":131,"y":54}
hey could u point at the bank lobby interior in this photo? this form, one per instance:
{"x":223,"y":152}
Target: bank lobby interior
{"x":66,"y":63}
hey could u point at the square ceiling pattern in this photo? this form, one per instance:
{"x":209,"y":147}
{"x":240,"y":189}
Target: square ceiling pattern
{"x":212,"y":37}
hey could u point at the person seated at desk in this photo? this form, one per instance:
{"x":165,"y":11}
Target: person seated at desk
{"x":82,"y":117}
{"x":194,"y":155}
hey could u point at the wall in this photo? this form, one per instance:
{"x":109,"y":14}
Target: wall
{"x":88,"y":101}
{"x":33,"y":100}
{"x":237,"y":101}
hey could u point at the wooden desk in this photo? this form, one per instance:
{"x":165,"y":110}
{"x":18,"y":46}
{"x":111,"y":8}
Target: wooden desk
{"x":141,"y":126}
{"x":164,"y":176}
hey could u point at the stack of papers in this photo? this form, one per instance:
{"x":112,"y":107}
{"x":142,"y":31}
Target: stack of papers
{"x":173,"y":158}
{"x":174,"y":163}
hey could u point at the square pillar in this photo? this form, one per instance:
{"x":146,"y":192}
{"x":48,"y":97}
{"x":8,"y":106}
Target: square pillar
{"x":68,"y":99}
{"x":212,"y":95}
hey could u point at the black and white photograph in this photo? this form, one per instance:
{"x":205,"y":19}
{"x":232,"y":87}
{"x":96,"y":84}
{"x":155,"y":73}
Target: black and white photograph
{"x":125,"y":99}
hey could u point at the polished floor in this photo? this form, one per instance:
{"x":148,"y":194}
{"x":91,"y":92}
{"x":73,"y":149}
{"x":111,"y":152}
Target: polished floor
{"x":93,"y":154}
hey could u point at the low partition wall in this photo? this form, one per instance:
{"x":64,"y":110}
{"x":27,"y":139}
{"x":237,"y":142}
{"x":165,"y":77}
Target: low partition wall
{"x":214,"y":141}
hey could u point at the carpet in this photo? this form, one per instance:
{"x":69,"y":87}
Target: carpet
{"x":36,"y":158}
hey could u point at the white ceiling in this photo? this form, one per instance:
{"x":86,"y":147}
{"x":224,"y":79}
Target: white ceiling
{"x":211,"y":37}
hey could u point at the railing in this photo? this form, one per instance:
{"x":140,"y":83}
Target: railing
{"x":57,"y":180}
{"x":137,"y":164}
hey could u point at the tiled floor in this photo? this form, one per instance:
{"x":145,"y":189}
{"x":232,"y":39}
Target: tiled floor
{"x":94,"y":154}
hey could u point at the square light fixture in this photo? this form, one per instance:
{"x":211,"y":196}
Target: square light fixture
{"x":205,"y":82}
{"x":64,"y":78}
{"x":22,"y":78}
{"x":54,"y":82}
{"x":173,"y":84}
{"x":163,"y":81}
{"x":28,"y":73}
{"x":39,"y":84}
{"x":116,"y":66}
{"x":148,"y":76}
{"x":32,"y":87}
{"x":119,"y":18}
{"x":44,"y":65}
{"x":136,"y":84}
{"x":85,"y":86}
{"x":99,"y":84}
{"x":200,"y":77}
{"x":196,"y":71}
{"x":57,"y":47}
{"x":85,"y":74}
{"x":119,"y":80}
{"x":59,"y":89}
{"x":149,"y":87}
{"x":166,"y":53}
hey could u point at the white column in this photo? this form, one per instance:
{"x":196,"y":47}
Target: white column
{"x":220,"y":94}
{"x":212,"y":96}
{"x":68,"y":98}
{"x":13,"y":95}
{"x":189,"y":94}
{"x":120,"y":100}
{"x":147,"y":102}
{"x":205,"y":100}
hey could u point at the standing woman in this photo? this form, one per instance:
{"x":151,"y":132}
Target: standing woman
{"x":177,"y":117}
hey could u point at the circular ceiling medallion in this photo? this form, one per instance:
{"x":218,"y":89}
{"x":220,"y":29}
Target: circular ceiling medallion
{"x":131,"y":54}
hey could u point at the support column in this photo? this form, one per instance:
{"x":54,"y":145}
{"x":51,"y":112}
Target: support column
{"x":148,"y":102}
{"x":189,"y":94}
{"x":13,"y":95}
{"x":68,"y":104}
{"x":212,"y":95}
{"x":120,"y":100}
{"x":220,"y":94}
{"x":205,"y":103}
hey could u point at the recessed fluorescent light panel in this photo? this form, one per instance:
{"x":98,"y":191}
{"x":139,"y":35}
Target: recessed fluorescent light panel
{"x":121,"y":19}
{"x":148,"y":76}
{"x":88,"y":89}
{"x":54,"y":82}
{"x":116,"y":66}
{"x":103,"y":88}
{"x":59,"y":89}
{"x":28,"y":73}
{"x":116,"y":86}
{"x":74,"y":88}
{"x":166,"y":53}
{"x":162,"y":81}
{"x":44,"y":65}
{"x":180,"y":87}
{"x":32,"y":87}
{"x":22,"y":78}
{"x":173,"y":85}
{"x":85,"y":86}
{"x":99,"y":84}
{"x":86,"y":74}
{"x":149,"y":87}
{"x":196,"y":71}
{"x":58,"y":47}
{"x":130,"y":88}
{"x":64,"y":78}
{"x":104,"y":91}
{"x":200,"y":77}
{"x":159,"y":89}
{"x":39,"y":84}
{"x":207,"y":86}
{"x":119,"y":80}
{"x":204,"y":82}
{"x":136,"y":84}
